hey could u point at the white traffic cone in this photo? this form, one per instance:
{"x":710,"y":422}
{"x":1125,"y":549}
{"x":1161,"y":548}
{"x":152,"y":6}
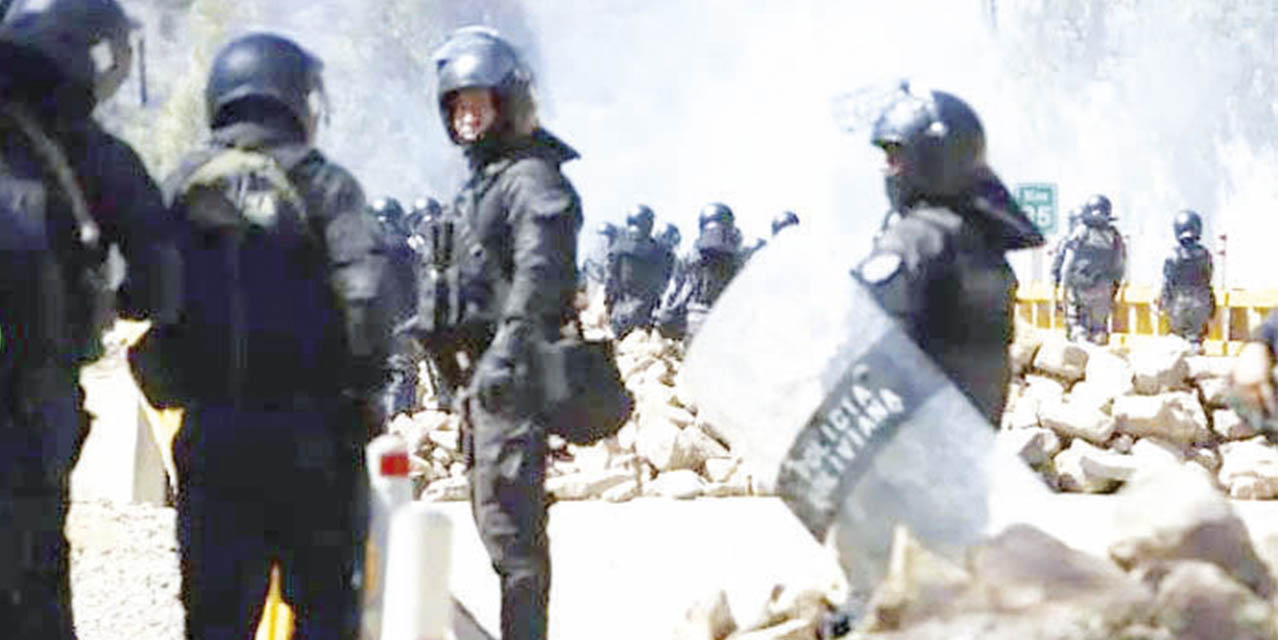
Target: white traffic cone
{"x":389,"y":489}
{"x":418,"y":602}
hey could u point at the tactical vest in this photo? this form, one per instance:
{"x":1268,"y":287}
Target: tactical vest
{"x":1096,"y":257}
{"x":1189,"y":267}
{"x":640,"y":267}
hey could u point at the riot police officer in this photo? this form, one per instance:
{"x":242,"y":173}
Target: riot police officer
{"x":1186,"y":294}
{"x":637,"y":266}
{"x":400,"y":394}
{"x":1058,"y":250}
{"x":70,"y":191}
{"x":783,"y":220}
{"x":941,"y":256}
{"x":423,"y":209}
{"x":594,"y":268}
{"x":1092,"y":270}
{"x":715,"y":260}
{"x":279,"y":356}
{"x":669,"y":239}
{"x":519,"y":218}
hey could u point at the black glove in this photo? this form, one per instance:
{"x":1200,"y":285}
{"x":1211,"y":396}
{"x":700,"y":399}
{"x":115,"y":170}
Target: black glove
{"x":501,"y":378}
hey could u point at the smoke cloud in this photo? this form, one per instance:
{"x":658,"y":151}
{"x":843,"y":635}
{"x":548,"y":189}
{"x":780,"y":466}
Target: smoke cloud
{"x":1161,"y":105}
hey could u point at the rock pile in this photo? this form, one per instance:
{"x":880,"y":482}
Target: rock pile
{"x":1182,"y":567}
{"x":664,"y":450}
{"x":1091,"y":418}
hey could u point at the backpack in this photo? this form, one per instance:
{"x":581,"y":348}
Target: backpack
{"x":54,"y":292}
{"x":259,"y":316}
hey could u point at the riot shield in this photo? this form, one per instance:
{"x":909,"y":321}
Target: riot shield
{"x":831,"y":403}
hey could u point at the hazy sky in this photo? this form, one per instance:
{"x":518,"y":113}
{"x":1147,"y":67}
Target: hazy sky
{"x":1161,"y":104}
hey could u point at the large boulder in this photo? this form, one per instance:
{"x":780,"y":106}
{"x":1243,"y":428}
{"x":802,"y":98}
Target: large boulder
{"x":1178,"y":514}
{"x":451,"y":488}
{"x":1249,"y":469}
{"x":1043,"y":388}
{"x":1076,"y":420}
{"x":1201,"y":367}
{"x":1197,"y":600}
{"x":1230,"y":426}
{"x":1023,"y":584}
{"x":1021,"y":411}
{"x":693,"y":448}
{"x":1094,"y":395}
{"x":585,"y":485}
{"x":1159,"y":368}
{"x":1153,"y":454}
{"x":1035,"y":445}
{"x":1109,"y":372}
{"x":1061,"y":358}
{"x":1023,"y":348}
{"x":1085,"y":468}
{"x":681,"y":484}
{"x":1215,"y":392}
{"x":656,"y":441}
{"x":708,"y":619}
{"x":1175,"y":417}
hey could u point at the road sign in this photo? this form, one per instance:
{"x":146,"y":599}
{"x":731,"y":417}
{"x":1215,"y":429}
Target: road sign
{"x":1038,"y":201}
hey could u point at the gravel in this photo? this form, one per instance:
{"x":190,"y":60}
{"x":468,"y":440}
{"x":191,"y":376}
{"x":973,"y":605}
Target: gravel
{"x":124,"y":572}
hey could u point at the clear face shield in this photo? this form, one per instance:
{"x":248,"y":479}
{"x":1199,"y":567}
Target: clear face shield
{"x":319,"y":108}
{"x":112,"y":59}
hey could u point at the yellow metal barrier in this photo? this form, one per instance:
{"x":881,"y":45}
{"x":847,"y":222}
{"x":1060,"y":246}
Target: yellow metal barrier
{"x":1135,"y":318}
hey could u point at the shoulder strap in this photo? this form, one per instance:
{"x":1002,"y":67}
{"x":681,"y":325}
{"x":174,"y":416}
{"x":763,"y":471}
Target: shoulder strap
{"x":233,"y":160}
{"x":55,"y":160}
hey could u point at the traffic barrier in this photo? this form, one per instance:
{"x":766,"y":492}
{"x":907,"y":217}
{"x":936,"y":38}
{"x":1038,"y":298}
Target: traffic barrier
{"x":1136,"y":319}
{"x":390,"y":489}
{"x":418,"y":604}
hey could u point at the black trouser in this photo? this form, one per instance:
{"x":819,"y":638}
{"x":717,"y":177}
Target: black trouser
{"x":270,"y":485}
{"x":40,"y":441}
{"x":1190,"y":311}
{"x":400,"y":393}
{"x":631,"y":313}
{"x":508,"y":501}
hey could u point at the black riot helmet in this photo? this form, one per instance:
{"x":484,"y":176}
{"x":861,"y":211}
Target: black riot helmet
{"x":716,"y":212}
{"x":269,"y":68}
{"x":1098,"y":212}
{"x":640,"y":219}
{"x":935,"y":146}
{"x":670,"y":236}
{"x":608,"y":230}
{"x":478,"y":57}
{"x":388,"y":210}
{"x":719,"y":237}
{"x":85,"y":41}
{"x":1188,"y":227}
{"x":783,"y":220}
{"x":424,"y":209}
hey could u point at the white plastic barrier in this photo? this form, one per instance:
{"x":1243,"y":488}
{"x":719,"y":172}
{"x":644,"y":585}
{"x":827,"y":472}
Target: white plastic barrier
{"x":390,"y":489}
{"x":418,"y":605}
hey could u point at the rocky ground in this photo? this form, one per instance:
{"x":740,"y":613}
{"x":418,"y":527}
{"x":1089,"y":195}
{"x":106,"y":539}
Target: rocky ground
{"x":1090,"y":418}
{"x":124,"y":572}
{"x":1152,"y":425}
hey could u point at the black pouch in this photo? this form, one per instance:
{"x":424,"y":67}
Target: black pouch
{"x":584,"y":397}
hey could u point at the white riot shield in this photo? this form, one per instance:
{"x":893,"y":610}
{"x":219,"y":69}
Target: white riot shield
{"x":831,"y":403}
